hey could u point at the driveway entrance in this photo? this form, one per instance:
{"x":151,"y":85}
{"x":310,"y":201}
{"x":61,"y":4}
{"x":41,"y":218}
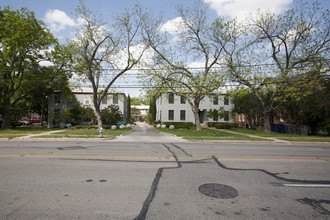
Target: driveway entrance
{"x":143,"y":132}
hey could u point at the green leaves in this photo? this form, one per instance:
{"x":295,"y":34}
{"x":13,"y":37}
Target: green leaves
{"x":23,"y":40}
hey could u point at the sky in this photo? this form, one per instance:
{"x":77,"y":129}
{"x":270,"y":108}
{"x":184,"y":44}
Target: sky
{"x":59,"y":15}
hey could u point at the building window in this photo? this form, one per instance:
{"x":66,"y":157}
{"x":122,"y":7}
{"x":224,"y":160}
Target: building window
{"x":170,"y":115}
{"x":183,"y":100}
{"x":105,"y":100}
{"x":215,"y":100}
{"x":115,"y":98}
{"x":171,"y":98}
{"x":226,"y":101}
{"x":182,"y":115}
{"x":226,"y":116}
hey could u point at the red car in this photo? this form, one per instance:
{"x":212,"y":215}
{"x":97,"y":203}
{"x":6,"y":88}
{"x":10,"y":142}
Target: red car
{"x":35,"y":120}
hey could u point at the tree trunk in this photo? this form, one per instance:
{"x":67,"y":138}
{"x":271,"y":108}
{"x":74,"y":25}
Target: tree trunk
{"x":42,"y":111}
{"x":98,"y":116}
{"x":6,"y":115}
{"x":197,"y":119}
{"x":267,"y":120}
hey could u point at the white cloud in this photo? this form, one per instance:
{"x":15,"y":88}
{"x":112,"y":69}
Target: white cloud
{"x":174,"y":26}
{"x":241,"y":8}
{"x":121,"y":58}
{"x":58,"y":20}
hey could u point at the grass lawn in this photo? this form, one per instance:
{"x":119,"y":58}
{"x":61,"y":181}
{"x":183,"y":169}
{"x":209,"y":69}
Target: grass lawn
{"x":11,"y":136}
{"x":207,"y":134}
{"x":23,"y":131}
{"x":86,"y":133}
{"x":262,"y":133}
{"x":280,"y":136}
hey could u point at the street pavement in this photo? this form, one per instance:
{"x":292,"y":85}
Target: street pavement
{"x":151,"y":175}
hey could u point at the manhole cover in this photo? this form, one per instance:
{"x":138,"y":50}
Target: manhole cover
{"x":218,"y":191}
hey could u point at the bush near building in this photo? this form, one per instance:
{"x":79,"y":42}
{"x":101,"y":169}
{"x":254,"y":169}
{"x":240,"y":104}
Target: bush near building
{"x":220,"y":125}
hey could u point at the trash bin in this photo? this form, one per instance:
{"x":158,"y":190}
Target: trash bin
{"x":277,"y":128}
{"x":305,"y":130}
{"x":291,"y":129}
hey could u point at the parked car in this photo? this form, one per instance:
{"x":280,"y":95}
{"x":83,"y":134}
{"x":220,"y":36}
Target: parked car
{"x":24,"y":122}
{"x":35,"y":120}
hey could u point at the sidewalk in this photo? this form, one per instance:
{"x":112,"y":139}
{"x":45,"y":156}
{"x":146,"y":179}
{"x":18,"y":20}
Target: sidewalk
{"x":255,"y":136}
{"x":250,"y":135}
{"x":41,"y":134}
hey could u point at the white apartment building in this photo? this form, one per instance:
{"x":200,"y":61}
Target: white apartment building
{"x":175,"y":108}
{"x":84,"y":96}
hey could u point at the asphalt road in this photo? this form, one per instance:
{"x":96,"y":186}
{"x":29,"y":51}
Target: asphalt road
{"x":157,"y":176}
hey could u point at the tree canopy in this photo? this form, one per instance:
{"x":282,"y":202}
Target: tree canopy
{"x":99,"y":46}
{"x":23,"y":42}
{"x":170,"y":71}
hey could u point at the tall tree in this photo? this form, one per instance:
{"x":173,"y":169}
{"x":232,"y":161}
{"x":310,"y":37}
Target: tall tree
{"x":248,"y":104}
{"x":99,"y":46}
{"x":129,"y":117}
{"x":170,"y":71}
{"x":22,"y":39}
{"x":274,"y":55}
{"x":46,"y":79}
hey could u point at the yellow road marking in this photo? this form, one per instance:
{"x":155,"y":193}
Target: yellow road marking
{"x":166,"y":157}
{"x":274,"y":158}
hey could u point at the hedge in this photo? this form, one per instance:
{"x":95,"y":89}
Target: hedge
{"x":107,"y":127}
{"x":222,"y":125}
{"x":86,"y":127}
{"x":186,"y":125}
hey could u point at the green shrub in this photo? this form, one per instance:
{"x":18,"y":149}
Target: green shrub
{"x":86,"y":127}
{"x":111,"y":115}
{"x":223,"y":126}
{"x":211,"y":124}
{"x":149,"y":119}
{"x":220,"y":125}
{"x":186,"y":125}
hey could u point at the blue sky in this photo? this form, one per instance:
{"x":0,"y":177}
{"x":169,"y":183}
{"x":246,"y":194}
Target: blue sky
{"x":59,"y":16}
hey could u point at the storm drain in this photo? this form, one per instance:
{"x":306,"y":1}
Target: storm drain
{"x":71,"y":148}
{"x":219,"y":191}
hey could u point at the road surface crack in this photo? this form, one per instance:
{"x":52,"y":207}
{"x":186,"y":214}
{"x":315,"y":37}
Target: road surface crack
{"x":154,"y":185}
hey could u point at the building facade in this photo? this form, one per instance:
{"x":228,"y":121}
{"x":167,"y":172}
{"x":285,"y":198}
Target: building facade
{"x":85,"y":98}
{"x":175,"y":108}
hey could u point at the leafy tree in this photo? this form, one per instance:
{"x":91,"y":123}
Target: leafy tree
{"x":248,"y":104}
{"x":45,"y":80}
{"x":153,"y":109}
{"x":129,"y":117}
{"x":170,"y":71}
{"x":88,"y":114}
{"x":312,"y":110}
{"x":22,"y":38}
{"x":111,"y":115}
{"x":98,"y":46}
{"x":276,"y":55}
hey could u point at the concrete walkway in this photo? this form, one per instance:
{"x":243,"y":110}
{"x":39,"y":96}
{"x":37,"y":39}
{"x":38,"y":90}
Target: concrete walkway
{"x":254,"y":136}
{"x":143,"y":132}
{"x":33,"y":135}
